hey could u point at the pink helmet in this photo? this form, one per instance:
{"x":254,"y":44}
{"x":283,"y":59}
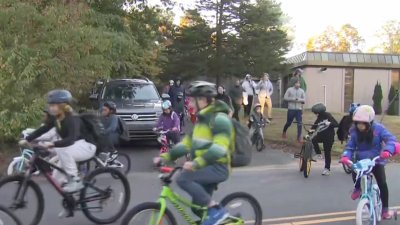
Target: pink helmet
{"x":364,"y":113}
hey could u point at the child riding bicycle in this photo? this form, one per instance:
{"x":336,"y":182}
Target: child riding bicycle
{"x":209,"y":146}
{"x":369,"y":139}
{"x":326,"y":137}
{"x":255,"y":118}
{"x":169,"y":120}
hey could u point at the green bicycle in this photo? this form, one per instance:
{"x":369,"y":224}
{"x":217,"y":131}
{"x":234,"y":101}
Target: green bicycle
{"x":157,"y":213}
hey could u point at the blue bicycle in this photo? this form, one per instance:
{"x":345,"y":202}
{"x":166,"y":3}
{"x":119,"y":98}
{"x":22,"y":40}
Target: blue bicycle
{"x":369,"y":208}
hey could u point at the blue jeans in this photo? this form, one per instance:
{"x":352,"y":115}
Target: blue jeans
{"x":291,"y":115}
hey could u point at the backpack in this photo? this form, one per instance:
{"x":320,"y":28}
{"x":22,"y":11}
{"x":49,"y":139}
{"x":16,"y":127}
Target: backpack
{"x":123,"y":130}
{"x":241,"y":154}
{"x":242,"y":150}
{"x":94,"y":131}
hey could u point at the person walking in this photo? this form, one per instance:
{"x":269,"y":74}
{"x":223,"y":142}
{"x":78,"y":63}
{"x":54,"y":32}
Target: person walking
{"x":296,"y":98}
{"x":168,"y":87}
{"x":177,"y":88}
{"x":236,"y":94}
{"x":265,"y":90}
{"x":248,"y":94}
{"x":222,"y":96}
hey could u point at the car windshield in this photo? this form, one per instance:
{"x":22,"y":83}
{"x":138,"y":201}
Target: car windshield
{"x":130,"y":91}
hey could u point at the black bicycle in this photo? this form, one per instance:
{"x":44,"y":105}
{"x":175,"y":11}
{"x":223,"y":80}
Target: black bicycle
{"x":307,"y":148}
{"x":258,"y":138}
{"x":102,"y":186}
{"x":7,"y":217}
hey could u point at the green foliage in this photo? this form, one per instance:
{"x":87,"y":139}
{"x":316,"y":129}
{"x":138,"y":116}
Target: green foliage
{"x":393,"y":101}
{"x":51,"y":44}
{"x":390,"y":36}
{"x":377,"y":98}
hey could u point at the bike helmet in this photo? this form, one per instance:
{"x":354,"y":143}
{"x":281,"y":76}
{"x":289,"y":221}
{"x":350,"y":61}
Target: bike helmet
{"x":201,"y":89}
{"x":257,"y":105}
{"x":318,"y":108}
{"x":353,"y":107}
{"x":59,"y":96}
{"x":364,"y":113}
{"x":166,"y":104}
{"x":111,"y":105}
{"x":165,"y":96}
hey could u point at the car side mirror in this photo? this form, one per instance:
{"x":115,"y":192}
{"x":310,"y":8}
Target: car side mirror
{"x":93,"y":96}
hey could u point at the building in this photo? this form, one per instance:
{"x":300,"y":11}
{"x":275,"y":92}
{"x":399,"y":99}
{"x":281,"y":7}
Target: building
{"x":338,"y":79}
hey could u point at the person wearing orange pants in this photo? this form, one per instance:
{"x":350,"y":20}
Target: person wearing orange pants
{"x":265,"y":90}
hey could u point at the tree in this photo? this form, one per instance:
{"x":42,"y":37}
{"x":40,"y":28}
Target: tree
{"x":346,"y":39}
{"x":393,"y":101}
{"x":189,"y":53}
{"x":377,"y":98}
{"x":390,"y":36}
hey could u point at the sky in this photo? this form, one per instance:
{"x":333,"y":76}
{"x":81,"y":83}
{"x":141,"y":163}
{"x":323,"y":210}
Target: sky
{"x":311,"y":17}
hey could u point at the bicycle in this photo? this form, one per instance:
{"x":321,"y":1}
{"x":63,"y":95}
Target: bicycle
{"x":164,"y":141}
{"x":92,"y":197}
{"x":307,"y":148}
{"x":230,"y":202}
{"x":257,"y":139}
{"x":7,"y":217}
{"x":369,"y":208}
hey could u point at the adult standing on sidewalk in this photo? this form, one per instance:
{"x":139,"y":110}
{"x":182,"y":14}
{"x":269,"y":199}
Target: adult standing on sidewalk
{"x":236,"y":94}
{"x":265,"y":90}
{"x":297,"y":76}
{"x":248,"y":94}
{"x":296,"y":98}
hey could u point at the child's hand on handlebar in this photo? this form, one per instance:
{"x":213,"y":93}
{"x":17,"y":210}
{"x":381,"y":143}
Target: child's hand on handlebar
{"x":345,"y":160}
{"x":385,"y":154}
{"x":188,"y":166}
{"x":23,"y":142}
{"x":157,"y":161}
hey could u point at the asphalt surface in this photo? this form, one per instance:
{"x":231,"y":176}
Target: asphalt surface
{"x":285,"y":195}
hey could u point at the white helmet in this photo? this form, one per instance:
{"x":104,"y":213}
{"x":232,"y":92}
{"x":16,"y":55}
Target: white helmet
{"x":364,"y":113}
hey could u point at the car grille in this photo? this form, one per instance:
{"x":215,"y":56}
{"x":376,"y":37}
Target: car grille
{"x":139,"y":116}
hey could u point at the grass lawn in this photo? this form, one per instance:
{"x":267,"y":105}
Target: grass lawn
{"x":273,"y":132}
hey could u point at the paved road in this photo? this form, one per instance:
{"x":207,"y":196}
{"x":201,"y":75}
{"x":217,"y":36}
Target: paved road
{"x":273,"y":178}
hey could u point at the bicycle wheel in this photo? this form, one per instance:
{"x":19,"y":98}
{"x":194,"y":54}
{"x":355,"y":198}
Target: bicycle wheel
{"x":306,"y":167}
{"x":307,"y":158}
{"x":7,"y":217}
{"x":363,"y":213}
{"x":243,"y":206}
{"x":17,"y":166}
{"x":147,"y":214}
{"x":102,"y":186}
{"x":30,"y":211}
{"x":301,"y":155}
{"x":122,"y":163}
{"x":346,"y":169}
{"x":259,"y":143}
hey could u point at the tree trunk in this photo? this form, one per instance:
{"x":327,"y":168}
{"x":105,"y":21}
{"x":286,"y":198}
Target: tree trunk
{"x":220,"y":8}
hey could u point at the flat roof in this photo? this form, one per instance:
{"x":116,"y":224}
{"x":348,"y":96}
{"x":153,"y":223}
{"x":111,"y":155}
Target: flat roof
{"x":345,"y":59}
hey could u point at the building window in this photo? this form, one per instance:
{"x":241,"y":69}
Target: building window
{"x":324,"y":56}
{"x":395,"y":59}
{"x":348,"y":87}
{"x":353,"y":58}
{"x":360,"y":58}
{"x":381,"y":59}
{"x":346,"y":57}
{"x":339,"y":57}
{"x":367,"y":58}
{"x":374,"y":58}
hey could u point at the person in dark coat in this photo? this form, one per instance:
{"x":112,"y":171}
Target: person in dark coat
{"x":222,"y":96}
{"x":236,"y":94}
{"x":326,"y":137}
{"x":345,"y":123}
{"x":173,"y":93}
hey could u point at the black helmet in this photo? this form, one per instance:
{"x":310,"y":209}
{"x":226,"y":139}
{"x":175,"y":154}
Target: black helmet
{"x":111,"y":105}
{"x":318,"y":108}
{"x":59,"y":96}
{"x":201,"y":89}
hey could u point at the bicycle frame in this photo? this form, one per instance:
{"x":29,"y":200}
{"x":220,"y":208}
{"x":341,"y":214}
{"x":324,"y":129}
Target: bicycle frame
{"x":25,"y":154}
{"x":168,"y":195}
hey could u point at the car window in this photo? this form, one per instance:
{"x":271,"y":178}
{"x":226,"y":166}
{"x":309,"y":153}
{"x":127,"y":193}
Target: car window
{"x":130,"y":91}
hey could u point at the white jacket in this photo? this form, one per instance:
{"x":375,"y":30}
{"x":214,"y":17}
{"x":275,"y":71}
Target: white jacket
{"x":249,"y":87}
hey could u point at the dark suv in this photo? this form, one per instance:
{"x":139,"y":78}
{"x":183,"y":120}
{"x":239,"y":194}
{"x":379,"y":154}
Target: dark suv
{"x":138,"y":104}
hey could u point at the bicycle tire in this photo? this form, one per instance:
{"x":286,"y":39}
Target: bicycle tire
{"x":147,"y":206}
{"x":115,"y":174}
{"x":259,"y":143}
{"x":346,"y":169}
{"x":36,"y":189}
{"x":11,"y":215}
{"x":127,"y":166}
{"x":301,"y":159}
{"x":250,"y":199}
{"x":359,"y":212}
{"x":306,"y":167}
{"x":307,"y":158}
{"x":11,"y":170}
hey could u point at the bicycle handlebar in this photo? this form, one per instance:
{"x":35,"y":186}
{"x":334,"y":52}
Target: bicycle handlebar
{"x":170,"y":170}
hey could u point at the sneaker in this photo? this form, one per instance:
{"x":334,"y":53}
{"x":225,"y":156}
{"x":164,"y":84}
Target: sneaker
{"x":284,"y":136}
{"x":319,"y":156}
{"x":326,"y":172}
{"x":74,"y":185}
{"x":356,"y":194}
{"x":387,"y":214}
{"x":215,"y":216}
{"x":112,"y":156}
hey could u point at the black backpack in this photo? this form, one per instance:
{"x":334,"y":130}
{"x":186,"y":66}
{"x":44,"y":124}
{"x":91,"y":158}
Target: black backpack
{"x":242,"y":150}
{"x":241,"y":154}
{"x":123,"y":130}
{"x":94,"y":131}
